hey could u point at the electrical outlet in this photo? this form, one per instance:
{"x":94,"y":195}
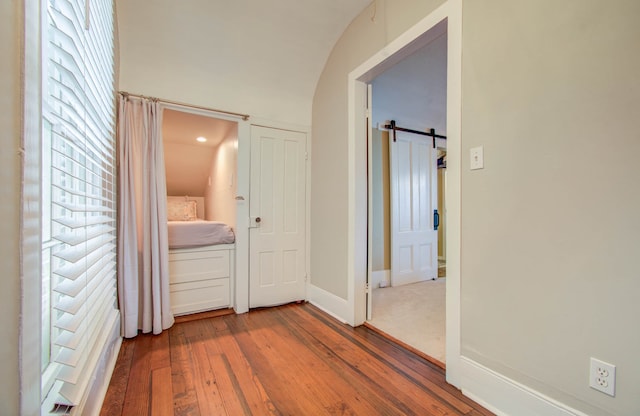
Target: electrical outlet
{"x":602,"y":377}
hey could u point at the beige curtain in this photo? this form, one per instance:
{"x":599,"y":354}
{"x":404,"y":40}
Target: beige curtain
{"x":143,"y":264}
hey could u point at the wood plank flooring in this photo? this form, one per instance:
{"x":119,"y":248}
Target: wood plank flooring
{"x":288,"y":360}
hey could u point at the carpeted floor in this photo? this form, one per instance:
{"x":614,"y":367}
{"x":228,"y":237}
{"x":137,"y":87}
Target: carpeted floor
{"x":414,"y":314}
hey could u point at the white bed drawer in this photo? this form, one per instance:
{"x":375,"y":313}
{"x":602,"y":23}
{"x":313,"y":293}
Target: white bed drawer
{"x":199,"y":296}
{"x":198,"y":265}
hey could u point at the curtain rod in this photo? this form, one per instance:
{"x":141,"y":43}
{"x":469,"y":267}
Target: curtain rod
{"x":430,"y":133}
{"x":245,"y":117}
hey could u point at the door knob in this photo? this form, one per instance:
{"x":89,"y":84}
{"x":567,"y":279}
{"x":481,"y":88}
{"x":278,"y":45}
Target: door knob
{"x":254,"y":222}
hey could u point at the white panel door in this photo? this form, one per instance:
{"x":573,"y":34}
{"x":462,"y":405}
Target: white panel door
{"x":277,"y":211}
{"x":413,"y":189}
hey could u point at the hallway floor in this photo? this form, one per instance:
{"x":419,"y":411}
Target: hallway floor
{"x":414,"y":314}
{"x":291,"y":360}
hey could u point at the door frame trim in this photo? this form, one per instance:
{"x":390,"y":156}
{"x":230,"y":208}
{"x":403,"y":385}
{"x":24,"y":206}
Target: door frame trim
{"x":239,"y":285}
{"x":357,"y":266}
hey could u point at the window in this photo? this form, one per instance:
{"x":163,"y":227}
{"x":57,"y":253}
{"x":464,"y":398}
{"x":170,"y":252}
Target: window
{"x":78,"y":194}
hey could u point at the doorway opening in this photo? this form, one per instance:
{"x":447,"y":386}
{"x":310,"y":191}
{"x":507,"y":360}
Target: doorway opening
{"x":407,"y":222}
{"x":447,"y":17}
{"x":201,"y":163}
{"x":207,"y":161}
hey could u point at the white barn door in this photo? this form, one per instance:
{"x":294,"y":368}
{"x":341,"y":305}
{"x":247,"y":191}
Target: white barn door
{"x":277,"y":209}
{"x":414,"y":193}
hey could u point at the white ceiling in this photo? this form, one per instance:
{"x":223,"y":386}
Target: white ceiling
{"x":251,"y":46}
{"x":183,"y":128}
{"x":248,"y":45}
{"x":276,"y":45}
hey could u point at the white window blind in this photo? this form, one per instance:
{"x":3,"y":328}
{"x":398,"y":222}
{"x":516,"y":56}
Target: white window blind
{"x":79,"y":194}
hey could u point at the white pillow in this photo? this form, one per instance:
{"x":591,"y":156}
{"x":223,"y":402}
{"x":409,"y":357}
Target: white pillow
{"x":182,"y":210}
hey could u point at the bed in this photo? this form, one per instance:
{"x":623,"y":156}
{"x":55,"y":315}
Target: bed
{"x":201,"y":259}
{"x":197,"y":233}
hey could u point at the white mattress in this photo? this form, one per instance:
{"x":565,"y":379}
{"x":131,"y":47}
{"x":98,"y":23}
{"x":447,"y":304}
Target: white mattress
{"x":199,"y":233}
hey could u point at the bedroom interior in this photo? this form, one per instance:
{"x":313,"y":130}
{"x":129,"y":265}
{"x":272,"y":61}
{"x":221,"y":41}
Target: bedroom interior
{"x":200,"y":154}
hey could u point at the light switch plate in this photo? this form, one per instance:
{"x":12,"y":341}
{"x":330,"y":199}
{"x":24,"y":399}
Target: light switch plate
{"x":476,"y":158}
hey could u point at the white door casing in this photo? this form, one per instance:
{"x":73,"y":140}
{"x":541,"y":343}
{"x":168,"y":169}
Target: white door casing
{"x":414,"y":197}
{"x":277,"y":213}
{"x":355,"y":311}
{"x":369,"y":200}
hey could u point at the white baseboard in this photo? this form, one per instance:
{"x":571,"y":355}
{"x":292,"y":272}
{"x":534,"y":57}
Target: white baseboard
{"x":329,"y":303}
{"x":506,"y":397}
{"x":380,"y":276}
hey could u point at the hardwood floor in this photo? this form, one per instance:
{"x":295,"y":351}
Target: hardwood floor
{"x":289,"y":360}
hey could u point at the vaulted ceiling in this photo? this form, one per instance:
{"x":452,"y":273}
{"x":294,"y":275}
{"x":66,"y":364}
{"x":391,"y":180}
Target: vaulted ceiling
{"x":274,"y":47}
{"x":225,"y":54}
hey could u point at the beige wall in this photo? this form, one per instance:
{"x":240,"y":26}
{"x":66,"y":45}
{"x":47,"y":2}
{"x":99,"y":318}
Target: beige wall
{"x":381,"y":221}
{"x":441,"y":210}
{"x":10,"y":139}
{"x":221,"y":192}
{"x":550,"y":230}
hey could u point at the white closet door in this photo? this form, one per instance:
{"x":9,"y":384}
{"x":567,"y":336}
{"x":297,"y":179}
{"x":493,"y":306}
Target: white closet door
{"x":413,"y":189}
{"x":277,"y":217}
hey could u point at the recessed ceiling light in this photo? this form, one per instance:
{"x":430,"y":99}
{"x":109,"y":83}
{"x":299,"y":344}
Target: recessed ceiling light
{"x":201,"y":139}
